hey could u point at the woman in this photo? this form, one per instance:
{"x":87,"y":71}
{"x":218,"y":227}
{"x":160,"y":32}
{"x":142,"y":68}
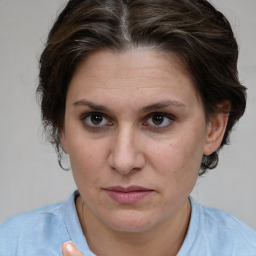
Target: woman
{"x":141,"y":95}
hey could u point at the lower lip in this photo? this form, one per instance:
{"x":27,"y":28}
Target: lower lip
{"x":128,"y":197}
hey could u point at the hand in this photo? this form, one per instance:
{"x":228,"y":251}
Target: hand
{"x":69,"y":249}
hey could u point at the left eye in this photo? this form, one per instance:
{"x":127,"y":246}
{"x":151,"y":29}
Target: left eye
{"x":160,"y":120}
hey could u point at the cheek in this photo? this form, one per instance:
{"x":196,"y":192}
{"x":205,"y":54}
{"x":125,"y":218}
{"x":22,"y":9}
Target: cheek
{"x":177,"y":156}
{"x":178,"y":162}
{"x":86,"y":160}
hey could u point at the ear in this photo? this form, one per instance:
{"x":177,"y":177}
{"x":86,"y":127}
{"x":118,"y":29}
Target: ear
{"x":63,"y":141}
{"x":216,"y":129}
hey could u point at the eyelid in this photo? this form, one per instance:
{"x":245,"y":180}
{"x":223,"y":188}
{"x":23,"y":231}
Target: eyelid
{"x":84,"y":116}
{"x":169,"y":116}
{"x":110,"y":122}
{"x":160,"y":113}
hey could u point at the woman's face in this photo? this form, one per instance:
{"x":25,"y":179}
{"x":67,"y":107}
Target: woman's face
{"x":135,"y":132}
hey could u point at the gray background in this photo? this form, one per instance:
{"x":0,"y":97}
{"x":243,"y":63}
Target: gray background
{"x":29,"y":174}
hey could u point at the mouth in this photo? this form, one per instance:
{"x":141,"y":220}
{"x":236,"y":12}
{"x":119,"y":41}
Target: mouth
{"x":127,"y":195}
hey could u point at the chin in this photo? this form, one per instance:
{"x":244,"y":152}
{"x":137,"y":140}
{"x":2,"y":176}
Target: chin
{"x":130,"y":222}
{"x":131,"y":228}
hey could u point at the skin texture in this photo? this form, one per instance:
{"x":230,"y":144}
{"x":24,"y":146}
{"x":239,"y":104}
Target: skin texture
{"x":129,"y":146}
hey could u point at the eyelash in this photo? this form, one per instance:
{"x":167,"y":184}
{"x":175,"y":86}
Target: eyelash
{"x":95,"y":126}
{"x":167,"y":118}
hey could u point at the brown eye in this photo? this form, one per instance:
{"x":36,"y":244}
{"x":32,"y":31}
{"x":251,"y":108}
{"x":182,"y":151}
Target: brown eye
{"x":158,"y":120}
{"x":96,"y":119}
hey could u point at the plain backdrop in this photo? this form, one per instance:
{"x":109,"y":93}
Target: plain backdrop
{"x":29,"y":173}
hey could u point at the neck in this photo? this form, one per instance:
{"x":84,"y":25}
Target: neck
{"x":164,"y":239}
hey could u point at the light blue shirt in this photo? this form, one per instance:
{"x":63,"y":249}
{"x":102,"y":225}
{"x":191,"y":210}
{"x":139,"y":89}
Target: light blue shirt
{"x":43,"y":231}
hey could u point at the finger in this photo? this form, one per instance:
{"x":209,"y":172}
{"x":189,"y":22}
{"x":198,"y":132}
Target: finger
{"x":69,"y":249}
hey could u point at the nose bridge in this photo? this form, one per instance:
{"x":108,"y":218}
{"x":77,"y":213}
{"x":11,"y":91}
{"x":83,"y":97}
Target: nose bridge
{"x":126,"y":155}
{"x":124,"y":137}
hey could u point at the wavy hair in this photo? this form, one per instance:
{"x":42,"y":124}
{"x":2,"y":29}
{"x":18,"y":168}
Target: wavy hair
{"x":193,"y":29}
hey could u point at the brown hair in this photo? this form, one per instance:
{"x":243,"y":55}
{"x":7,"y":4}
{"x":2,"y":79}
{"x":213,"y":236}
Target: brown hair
{"x":193,"y":29}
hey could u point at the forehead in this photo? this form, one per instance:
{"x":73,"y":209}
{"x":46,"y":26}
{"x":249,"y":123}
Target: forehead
{"x":142,"y":73}
{"x":131,"y":64}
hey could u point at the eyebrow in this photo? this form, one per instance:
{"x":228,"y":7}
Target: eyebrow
{"x":91,"y":105}
{"x":148,"y":108}
{"x":163,"y":104}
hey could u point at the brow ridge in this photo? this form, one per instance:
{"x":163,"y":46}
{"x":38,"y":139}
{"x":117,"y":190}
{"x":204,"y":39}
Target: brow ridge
{"x":162,"y":104}
{"x":148,"y":108}
{"x":92,"y":105}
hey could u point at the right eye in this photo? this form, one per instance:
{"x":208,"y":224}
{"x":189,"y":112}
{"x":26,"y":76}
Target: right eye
{"x":95,"y":120}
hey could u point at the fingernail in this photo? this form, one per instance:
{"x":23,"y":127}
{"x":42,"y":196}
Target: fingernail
{"x":70,"y":247}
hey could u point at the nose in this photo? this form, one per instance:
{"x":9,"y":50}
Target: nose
{"x":126,"y":154}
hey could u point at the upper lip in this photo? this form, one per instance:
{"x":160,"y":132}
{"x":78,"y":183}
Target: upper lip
{"x":127,"y":189}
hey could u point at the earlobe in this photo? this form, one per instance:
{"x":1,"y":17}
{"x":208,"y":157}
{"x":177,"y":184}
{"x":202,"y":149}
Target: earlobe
{"x":63,"y":141}
{"x":216,"y":129}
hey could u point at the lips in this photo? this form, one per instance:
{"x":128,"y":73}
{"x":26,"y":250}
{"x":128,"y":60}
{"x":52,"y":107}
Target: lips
{"x":128,"y":195}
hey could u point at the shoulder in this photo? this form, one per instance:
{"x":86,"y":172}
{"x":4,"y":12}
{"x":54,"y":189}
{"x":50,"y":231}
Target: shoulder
{"x":31,"y":219}
{"x":224,"y":233}
{"x":31,"y":230}
{"x":228,"y":224}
